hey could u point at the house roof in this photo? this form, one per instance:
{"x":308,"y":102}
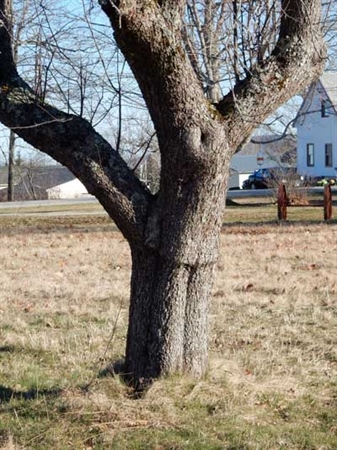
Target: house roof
{"x":243,"y":163}
{"x":43,"y":177}
{"x":272,"y":147}
{"x":3,"y":175}
{"x":328,"y":81}
{"x":47,"y":177}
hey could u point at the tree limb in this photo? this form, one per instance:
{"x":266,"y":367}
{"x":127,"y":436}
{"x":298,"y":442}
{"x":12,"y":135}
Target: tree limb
{"x":149,"y":35}
{"x":297,"y":60}
{"x":73,"y":142}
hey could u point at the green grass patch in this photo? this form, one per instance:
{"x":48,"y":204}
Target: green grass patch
{"x":62,"y":419}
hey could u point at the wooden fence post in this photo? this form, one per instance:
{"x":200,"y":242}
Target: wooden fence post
{"x":327,"y":202}
{"x":282,"y":202}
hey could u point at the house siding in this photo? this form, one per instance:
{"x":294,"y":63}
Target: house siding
{"x":71,"y":189}
{"x":314,"y":129}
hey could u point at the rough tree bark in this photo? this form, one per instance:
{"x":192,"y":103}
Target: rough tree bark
{"x":173,"y":235}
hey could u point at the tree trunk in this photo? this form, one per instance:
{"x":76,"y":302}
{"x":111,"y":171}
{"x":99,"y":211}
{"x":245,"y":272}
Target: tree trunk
{"x":168,"y":317}
{"x":172,"y":272}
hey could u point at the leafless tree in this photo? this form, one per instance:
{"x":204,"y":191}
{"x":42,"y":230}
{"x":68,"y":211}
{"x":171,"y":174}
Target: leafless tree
{"x":225,"y":39}
{"x":71,"y":70}
{"x":329,"y":24}
{"x":22,"y":20}
{"x":173,"y":235}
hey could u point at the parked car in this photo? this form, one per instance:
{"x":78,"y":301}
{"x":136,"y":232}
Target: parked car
{"x":260,"y":179}
{"x":268,"y":178}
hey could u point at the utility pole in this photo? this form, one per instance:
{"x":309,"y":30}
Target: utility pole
{"x":11,"y":162}
{"x":11,"y":145}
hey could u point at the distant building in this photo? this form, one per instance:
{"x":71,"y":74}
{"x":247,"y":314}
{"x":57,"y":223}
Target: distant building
{"x":69,"y":189}
{"x":42,"y":183}
{"x":270,"y":151}
{"x":3,"y":178}
{"x":317,"y":129}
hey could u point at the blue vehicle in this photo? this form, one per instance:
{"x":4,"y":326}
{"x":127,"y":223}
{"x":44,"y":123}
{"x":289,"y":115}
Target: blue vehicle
{"x":269,"y":178}
{"x":261,"y":179}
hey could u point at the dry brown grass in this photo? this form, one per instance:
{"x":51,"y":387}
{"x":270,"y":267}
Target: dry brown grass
{"x":272,"y":378}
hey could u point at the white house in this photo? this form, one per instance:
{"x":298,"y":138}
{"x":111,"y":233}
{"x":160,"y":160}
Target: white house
{"x":46,"y":182}
{"x":70,"y":189}
{"x":316,"y":125}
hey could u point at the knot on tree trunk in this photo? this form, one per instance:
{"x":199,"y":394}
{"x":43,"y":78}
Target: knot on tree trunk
{"x":153,"y":231}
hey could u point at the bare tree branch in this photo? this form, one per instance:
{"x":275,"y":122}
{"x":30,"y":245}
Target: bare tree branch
{"x":299,"y":45}
{"x":72,"y":141}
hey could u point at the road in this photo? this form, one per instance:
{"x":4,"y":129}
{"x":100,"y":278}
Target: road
{"x":36,"y":203}
{"x":249,"y":193}
{"x":82,"y":206}
{"x":50,"y":207}
{"x":54,"y":207}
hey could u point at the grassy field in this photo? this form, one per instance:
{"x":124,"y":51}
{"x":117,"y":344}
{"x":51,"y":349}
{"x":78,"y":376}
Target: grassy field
{"x":272,"y":380}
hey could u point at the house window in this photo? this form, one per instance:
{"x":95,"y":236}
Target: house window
{"x":325,"y":105}
{"x":328,"y":155}
{"x":310,"y":155}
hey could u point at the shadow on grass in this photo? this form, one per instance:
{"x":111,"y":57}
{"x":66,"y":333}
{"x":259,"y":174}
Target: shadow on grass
{"x":114,"y":368}
{"x":8,"y":394}
{"x":138,"y":386}
{"x":7,"y":348}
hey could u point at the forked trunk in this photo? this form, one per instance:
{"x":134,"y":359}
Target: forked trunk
{"x":172,"y":271}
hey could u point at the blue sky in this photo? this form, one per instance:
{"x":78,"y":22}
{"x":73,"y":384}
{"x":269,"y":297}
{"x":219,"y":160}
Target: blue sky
{"x":76,"y":7}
